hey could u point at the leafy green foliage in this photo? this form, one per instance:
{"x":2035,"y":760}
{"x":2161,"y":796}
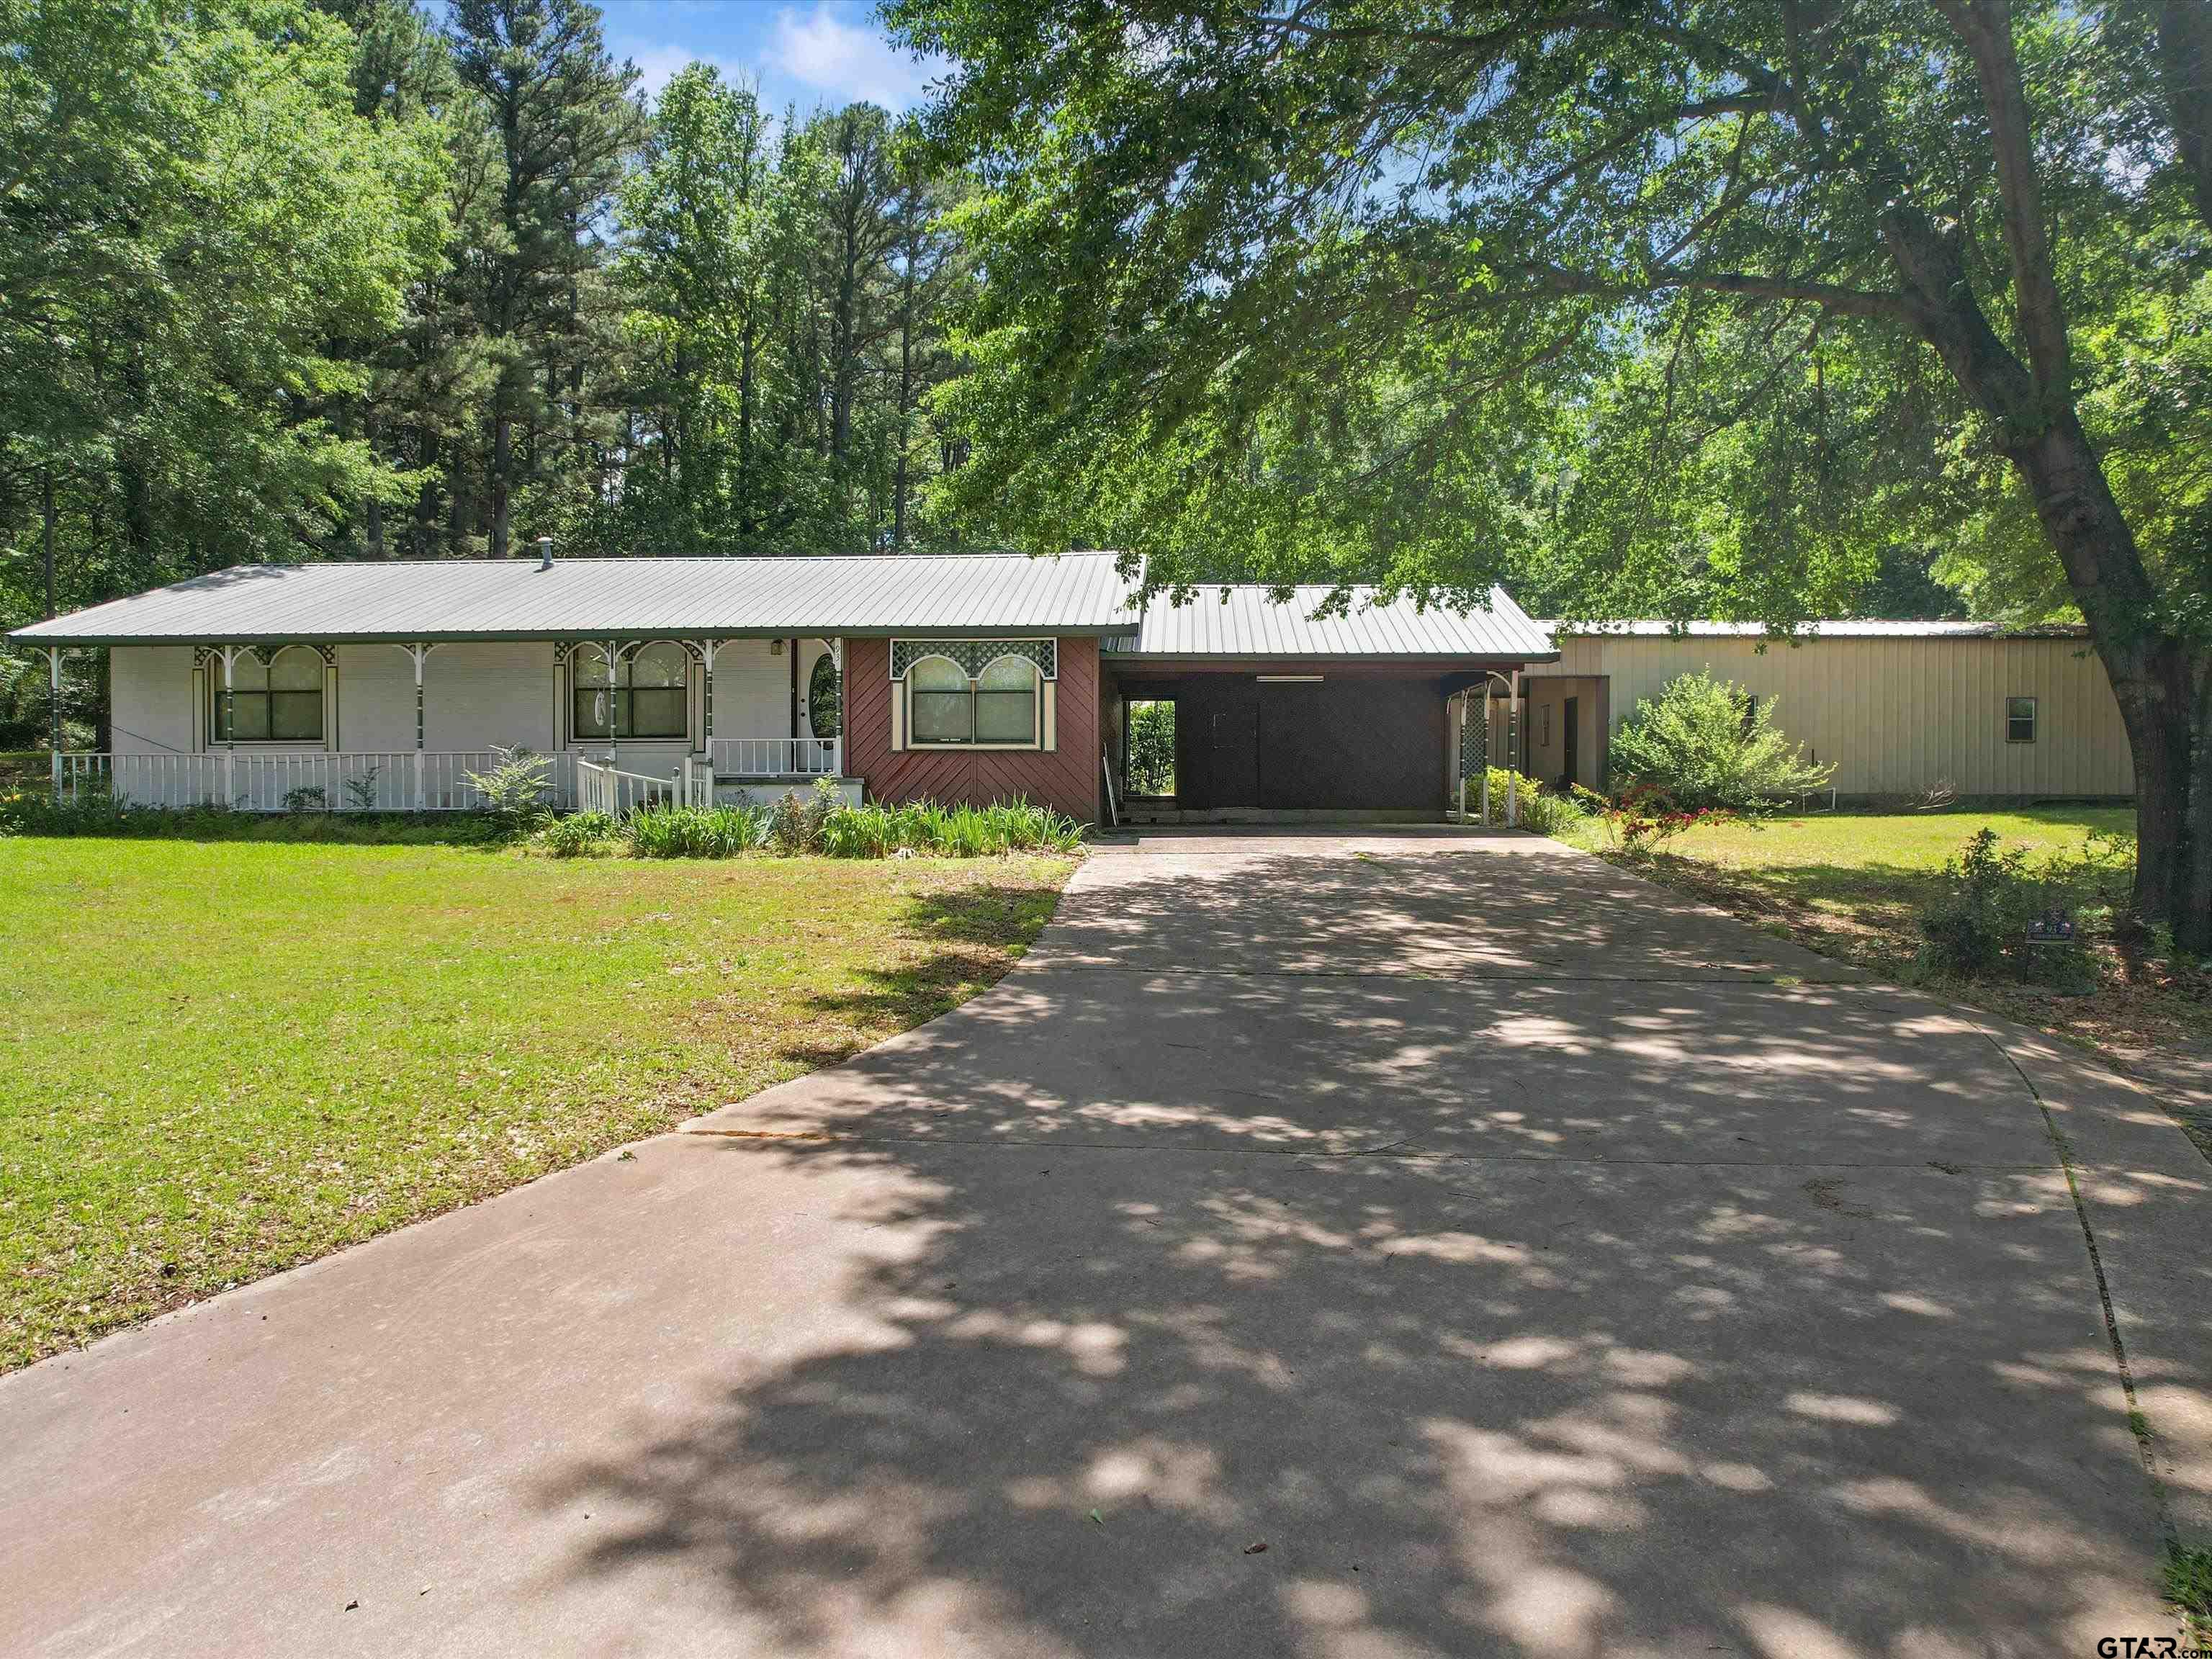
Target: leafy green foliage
{"x":1152,"y":761}
{"x":686,"y":832}
{"x":578,"y":836}
{"x":875,"y":830}
{"x":514,"y":789}
{"x":1703,"y":743}
{"x":1975,"y":926}
{"x":1542,"y":811}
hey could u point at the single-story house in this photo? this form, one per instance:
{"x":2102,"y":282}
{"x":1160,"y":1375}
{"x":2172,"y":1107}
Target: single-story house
{"x":973,"y":677}
{"x":958,"y":677}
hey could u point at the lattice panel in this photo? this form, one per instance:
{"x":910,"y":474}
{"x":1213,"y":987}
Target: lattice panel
{"x":975,"y":655}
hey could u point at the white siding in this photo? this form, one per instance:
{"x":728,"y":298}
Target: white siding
{"x":752,"y":689}
{"x":150,"y":699}
{"x":376,"y":696}
{"x":1900,"y":715}
{"x":478,"y":694}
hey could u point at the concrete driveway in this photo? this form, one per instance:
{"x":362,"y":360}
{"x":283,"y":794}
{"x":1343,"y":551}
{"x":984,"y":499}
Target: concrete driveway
{"x":1406,"y":1244}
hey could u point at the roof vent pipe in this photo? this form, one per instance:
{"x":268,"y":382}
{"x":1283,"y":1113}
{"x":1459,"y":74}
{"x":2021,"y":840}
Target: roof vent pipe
{"x":544,"y":552}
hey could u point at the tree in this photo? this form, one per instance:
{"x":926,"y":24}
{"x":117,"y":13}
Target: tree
{"x":1337,"y":286}
{"x":562,"y":111}
{"x":198,"y":233}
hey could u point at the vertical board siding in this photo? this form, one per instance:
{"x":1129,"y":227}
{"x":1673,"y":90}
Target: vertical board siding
{"x":1900,"y":716}
{"x":1064,"y":778}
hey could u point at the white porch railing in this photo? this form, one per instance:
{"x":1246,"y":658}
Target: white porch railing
{"x":776,"y":757}
{"x":406,"y":781}
{"x":305,"y":780}
{"x":609,"y":789}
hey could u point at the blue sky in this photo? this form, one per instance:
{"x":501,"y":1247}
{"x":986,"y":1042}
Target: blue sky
{"x":806,"y":52}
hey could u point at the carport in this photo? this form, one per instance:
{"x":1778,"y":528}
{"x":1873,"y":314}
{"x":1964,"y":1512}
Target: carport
{"x":1277,"y":707}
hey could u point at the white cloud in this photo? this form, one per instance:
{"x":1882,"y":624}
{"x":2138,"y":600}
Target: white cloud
{"x":848,"y":62}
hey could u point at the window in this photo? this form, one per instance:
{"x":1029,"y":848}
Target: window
{"x":1000,"y":706}
{"x":2019,"y":720}
{"x":940,"y":707}
{"x":1007,"y":702}
{"x":645,"y":694}
{"x":824,"y":709}
{"x":280,"y":701}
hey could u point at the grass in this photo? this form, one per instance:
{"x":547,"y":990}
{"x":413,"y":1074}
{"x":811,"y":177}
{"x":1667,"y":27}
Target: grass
{"x":219,"y":1059}
{"x":1852,"y":884}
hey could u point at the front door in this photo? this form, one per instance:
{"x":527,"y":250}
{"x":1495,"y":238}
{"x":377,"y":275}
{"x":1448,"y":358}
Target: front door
{"x":1570,"y":741}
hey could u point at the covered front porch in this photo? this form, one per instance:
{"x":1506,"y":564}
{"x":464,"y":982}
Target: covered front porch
{"x":385,"y":726}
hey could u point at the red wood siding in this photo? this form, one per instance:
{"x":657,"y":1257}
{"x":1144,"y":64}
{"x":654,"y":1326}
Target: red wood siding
{"x":1066,"y":779}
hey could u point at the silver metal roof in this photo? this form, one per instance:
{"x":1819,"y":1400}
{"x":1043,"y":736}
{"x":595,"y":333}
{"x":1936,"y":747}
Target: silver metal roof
{"x":1244,"y":621}
{"x":513,"y":599}
{"x":1830,"y":630}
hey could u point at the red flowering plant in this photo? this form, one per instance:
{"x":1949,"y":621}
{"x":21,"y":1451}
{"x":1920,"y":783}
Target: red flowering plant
{"x":1645,"y":818}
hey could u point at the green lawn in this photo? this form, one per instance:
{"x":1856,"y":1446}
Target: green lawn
{"x":217,"y":1059}
{"x":1850,"y":884}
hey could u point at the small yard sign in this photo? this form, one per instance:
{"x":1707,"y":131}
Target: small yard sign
{"x":2050,"y":927}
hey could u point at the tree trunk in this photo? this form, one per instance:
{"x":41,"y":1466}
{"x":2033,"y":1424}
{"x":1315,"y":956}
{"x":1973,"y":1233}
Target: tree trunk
{"x":47,"y":510}
{"x":502,"y":461}
{"x":2192,"y":909}
{"x":2150,"y":670}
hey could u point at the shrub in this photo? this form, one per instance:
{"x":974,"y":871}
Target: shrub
{"x":1975,"y":926}
{"x":312,"y":799}
{"x":361,"y":789}
{"x":875,"y":830}
{"x":1703,"y":743}
{"x":1542,"y":811}
{"x":694,"y":832}
{"x":513,"y":789}
{"x":580,"y":835}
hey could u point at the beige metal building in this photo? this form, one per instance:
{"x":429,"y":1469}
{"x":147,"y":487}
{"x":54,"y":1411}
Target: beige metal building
{"x":1897,"y":708}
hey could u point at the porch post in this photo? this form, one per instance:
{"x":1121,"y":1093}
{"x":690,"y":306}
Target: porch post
{"x":614,"y":703}
{"x":54,"y":716}
{"x":707,"y":725}
{"x":837,"y":743}
{"x":418,"y":652}
{"x":1513,"y":755}
{"x":229,"y":731}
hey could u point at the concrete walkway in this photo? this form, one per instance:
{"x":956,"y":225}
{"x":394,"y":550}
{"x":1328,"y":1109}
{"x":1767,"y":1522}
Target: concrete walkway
{"x":1386,"y":1245}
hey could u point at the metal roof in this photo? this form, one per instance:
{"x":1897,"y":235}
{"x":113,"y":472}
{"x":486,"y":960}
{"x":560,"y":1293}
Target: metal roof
{"x":515,"y":600}
{"x":1831,"y":629}
{"x":1246,"y":621}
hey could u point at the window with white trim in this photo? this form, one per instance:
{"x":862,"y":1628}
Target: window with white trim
{"x":279,"y":701}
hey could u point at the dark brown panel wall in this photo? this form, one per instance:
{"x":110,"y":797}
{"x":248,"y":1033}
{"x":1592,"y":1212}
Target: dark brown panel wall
{"x":1066,"y":779}
{"x":1349,"y":741}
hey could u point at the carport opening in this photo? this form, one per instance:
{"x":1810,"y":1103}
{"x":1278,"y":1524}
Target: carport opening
{"x":1149,"y":742}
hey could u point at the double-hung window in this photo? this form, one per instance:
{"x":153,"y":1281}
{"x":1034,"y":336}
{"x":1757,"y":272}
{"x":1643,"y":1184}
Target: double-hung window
{"x":2019,"y":720}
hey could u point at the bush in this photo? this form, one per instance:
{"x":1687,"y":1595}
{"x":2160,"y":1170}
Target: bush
{"x":1975,"y":928}
{"x":875,"y":830}
{"x":795,"y":825}
{"x":514,"y":789}
{"x":312,"y":799}
{"x":580,"y":835}
{"x":1151,"y":769}
{"x":1541,"y":812}
{"x":692,"y":832}
{"x":1702,"y":743}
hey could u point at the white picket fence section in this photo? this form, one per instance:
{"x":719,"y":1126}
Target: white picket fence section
{"x":776,"y":757}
